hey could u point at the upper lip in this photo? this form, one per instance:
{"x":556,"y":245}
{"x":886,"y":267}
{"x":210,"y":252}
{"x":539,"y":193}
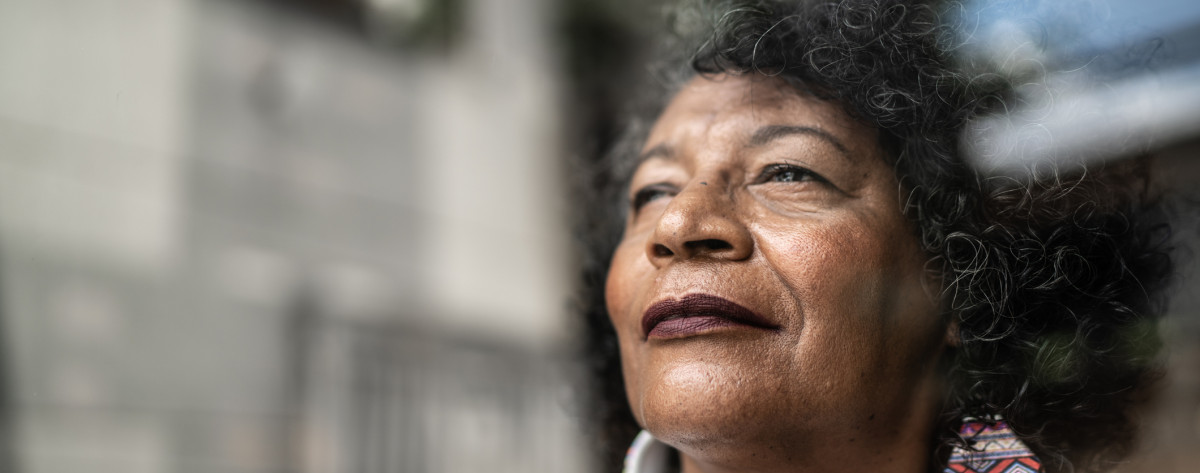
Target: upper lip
{"x":696,"y":305}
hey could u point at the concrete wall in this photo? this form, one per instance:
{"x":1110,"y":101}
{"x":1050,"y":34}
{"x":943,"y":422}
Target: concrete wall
{"x":235,"y":236}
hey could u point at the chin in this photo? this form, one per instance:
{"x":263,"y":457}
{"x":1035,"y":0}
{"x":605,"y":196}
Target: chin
{"x":708,"y":410}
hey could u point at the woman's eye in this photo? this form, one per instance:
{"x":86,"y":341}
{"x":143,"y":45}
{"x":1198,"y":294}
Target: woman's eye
{"x":790,"y":175}
{"x":787,"y":173}
{"x":651,"y":193}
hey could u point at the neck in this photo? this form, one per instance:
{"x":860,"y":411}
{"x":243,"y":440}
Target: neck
{"x":904,"y":457}
{"x":900,"y":444}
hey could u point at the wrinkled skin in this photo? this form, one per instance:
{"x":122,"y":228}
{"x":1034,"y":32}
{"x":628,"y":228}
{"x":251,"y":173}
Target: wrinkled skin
{"x":803,"y":226}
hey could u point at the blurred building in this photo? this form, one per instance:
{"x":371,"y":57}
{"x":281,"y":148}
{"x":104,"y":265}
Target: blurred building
{"x":252,"y":236}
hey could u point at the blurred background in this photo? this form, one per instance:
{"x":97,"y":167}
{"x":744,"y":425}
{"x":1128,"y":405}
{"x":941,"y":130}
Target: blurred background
{"x":334,"y":235}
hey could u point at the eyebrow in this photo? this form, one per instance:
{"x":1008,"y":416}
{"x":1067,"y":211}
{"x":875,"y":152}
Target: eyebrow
{"x":761,"y":137}
{"x":661,"y":151}
{"x":769,"y":133}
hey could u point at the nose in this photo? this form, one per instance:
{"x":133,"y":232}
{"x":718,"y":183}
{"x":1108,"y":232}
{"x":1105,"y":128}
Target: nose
{"x":700,"y":222}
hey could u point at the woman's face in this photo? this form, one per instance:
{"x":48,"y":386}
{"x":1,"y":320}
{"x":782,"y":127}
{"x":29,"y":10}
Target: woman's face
{"x":769,"y":296}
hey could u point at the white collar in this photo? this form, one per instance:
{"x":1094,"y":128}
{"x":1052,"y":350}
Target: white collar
{"x":646,"y":455}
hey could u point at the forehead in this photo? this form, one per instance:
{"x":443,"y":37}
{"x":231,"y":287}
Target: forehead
{"x":728,"y":108}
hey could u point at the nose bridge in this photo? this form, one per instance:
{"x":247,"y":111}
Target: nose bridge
{"x":695,"y":204}
{"x":701,"y":220}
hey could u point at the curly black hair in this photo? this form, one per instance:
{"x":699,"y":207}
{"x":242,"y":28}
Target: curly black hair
{"x":1054,"y":280}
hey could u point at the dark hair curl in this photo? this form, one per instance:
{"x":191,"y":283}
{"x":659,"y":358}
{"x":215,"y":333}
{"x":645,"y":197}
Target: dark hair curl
{"x":1054,"y":281}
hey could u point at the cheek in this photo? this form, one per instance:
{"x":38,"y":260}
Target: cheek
{"x":854,"y":285}
{"x":620,"y":293}
{"x":830,"y":267}
{"x":625,"y":275}
{"x":863,"y":299}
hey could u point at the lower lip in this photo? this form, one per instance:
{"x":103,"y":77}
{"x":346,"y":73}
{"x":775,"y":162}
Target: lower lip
{"x":685,"y":326}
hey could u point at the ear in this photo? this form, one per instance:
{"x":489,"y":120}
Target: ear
{"x":932,"y":284}
{"x":952,"y":338}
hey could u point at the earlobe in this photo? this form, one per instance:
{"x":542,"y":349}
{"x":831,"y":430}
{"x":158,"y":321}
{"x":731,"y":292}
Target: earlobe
{"x":932,"y":285}
{"x":952,"y":338}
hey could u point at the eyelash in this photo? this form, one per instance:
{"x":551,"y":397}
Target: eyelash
{"x":768,"y":174}
{"x":649,"y":193}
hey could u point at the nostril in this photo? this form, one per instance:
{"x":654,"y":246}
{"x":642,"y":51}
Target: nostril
{"x":711,"y":244}
{"x":662,"y":251}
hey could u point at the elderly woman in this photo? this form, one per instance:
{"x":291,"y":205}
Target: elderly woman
{"x":810,"y":279}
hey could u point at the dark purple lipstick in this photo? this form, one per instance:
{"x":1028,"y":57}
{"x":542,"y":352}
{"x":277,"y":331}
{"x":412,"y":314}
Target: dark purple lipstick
{"x":695,"y":313}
